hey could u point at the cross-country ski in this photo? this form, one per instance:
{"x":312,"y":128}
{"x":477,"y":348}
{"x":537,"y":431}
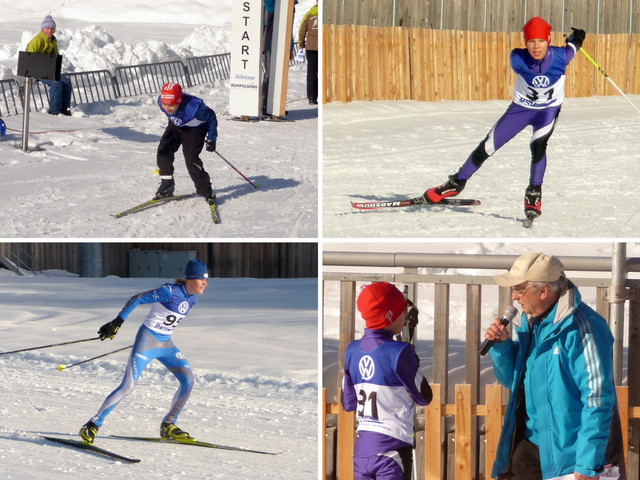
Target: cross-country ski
{"x":79,"y":445}
{"x":415,"y":202}
{"x":152,"y":203}
{"x":194,"y":442}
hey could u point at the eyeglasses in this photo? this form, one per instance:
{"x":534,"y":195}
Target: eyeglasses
{"x":520,"y":292}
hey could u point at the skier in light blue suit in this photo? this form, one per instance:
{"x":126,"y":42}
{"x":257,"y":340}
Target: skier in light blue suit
{"x":171,"y":303}
{"x":562,"y":417}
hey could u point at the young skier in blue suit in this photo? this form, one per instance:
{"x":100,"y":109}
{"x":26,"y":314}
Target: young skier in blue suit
{"x":171,"y":303}
{"x":382,"y":381}
{"x":192,"y":125}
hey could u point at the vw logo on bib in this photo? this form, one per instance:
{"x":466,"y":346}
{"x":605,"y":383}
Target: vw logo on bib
{"x":176,"y":121}
{"x":367,"y":367}
{"x":540,"y":81}
{"x":183,"y":307}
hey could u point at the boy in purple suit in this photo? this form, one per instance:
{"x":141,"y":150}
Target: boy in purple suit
{"x":537,"y":100}
{"x":382,"y":381}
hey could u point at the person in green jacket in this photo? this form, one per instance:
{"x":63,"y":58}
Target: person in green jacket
{"x":308,"y":39}
{"x":59,"y":91}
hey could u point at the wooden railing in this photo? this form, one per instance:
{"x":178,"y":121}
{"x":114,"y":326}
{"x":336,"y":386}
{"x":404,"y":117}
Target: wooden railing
{"x":398,"y":63}
{"x":463,"y":413}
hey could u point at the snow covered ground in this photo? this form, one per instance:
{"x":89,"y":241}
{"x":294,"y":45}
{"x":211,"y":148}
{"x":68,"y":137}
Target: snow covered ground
{"x":101,"y":160}
{"x":387,"y":150}
{"x":251,"y":343}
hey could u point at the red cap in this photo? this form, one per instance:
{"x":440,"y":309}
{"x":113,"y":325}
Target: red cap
{"x":381,"y":304}
{"x":537,"y":28}
{"x":171,"y":94}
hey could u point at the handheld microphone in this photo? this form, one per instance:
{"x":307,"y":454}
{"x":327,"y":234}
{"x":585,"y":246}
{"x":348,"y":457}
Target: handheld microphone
{"x":507,"y":316}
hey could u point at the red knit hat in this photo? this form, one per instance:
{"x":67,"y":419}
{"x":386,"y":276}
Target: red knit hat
{"x":381,"y":304}
{"x":537,"y":28}
{"x":171,"y":94}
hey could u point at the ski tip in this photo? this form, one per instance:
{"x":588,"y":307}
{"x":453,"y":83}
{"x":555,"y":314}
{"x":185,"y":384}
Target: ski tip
{"x":61,"y":367}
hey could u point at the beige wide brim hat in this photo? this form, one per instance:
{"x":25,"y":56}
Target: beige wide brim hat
{"x":532,"y":267}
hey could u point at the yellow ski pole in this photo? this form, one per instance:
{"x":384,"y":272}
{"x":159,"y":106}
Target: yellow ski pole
{"x":608,"y":78}
{"x":62,"y":367}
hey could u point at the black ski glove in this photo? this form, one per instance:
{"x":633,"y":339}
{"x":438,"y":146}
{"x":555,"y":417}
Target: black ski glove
{"x":577,"y":37}
{"x":211,"y":145}
{"x":109,"y":330}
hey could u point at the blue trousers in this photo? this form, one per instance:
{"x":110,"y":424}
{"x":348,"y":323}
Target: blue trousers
{"x":59,"y":95}
{"x":146,"y":348}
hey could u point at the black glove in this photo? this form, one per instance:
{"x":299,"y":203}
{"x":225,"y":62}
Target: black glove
{"x":412,"y":314}
{"x":577,"y":37}
{"x":211,"y":145}
{"x":109,"y":330}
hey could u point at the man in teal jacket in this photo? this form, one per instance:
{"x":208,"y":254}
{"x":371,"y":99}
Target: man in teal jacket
{"x":562,"y":417}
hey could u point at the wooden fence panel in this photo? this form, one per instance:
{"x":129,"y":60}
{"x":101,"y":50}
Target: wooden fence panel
{"x":464,"y":15}
{"x":594,"y":16}
{"x":615,"y":16}
{"x":464,"y":410}
{"x":580,"y":74}
{"x":633,"y":82}
{"x":258,"y":260}
{"x":505,"y":16}
{"x":368,"y":63}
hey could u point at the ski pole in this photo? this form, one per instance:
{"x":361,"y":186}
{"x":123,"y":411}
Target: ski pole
{"x":62,"y":367}
{"x":52,"y":345}
{"x":607,"y":77}
{"x":229,"y":163}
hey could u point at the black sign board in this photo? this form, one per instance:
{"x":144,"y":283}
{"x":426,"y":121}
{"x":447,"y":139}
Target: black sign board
{"x":42,"y":66}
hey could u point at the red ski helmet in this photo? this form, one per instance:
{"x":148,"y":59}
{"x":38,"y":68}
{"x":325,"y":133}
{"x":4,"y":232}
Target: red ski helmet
{"x":171,"y":94}
{"x":537,"y":28}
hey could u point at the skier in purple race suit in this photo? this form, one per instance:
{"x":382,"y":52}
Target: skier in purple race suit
{"x":537,"y":100}
{"x":382,"y":381}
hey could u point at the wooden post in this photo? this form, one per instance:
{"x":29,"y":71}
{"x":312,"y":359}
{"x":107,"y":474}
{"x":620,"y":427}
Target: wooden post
{"x":623,"y":406}
{"x":433,"y":436}
{"x":346,"y":420}
{"x":463,"y":432}
{"x":323,"y":432}
{"x":633,"y":376}
{"x":472,"y":360}
{"x":346,"y":442}
{"x":441,"y":339}
{"x":493,"y":425}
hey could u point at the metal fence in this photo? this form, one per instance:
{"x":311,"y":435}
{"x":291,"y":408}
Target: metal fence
{"x":149,"y":78}
{"x":101,"y":85}
{"x":209,"y":69}
{"x":128,"y":81}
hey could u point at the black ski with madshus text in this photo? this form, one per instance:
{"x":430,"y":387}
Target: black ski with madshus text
{"x":415,"y":202}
